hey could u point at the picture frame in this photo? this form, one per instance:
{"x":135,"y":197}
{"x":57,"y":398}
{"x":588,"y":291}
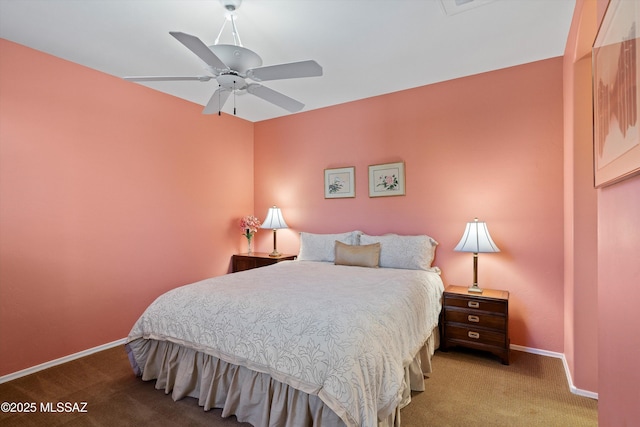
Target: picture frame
{"x":616,"y":94}
{"x":340,"y":183}
{"x":387,"y":180}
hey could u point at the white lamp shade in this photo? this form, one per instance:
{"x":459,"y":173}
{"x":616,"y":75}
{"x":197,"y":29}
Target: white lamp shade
{"x":274,"y":219}
{"x":476,"y":239}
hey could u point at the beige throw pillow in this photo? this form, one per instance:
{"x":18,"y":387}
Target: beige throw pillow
{"x":357,"y":255}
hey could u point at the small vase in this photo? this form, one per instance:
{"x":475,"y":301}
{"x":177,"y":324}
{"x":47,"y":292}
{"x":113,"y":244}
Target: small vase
{"x":249,"y":244}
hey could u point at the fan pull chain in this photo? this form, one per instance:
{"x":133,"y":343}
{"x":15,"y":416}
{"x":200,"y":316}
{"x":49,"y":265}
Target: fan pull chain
{"x":219,"y":106}
{"x":234,"y":96}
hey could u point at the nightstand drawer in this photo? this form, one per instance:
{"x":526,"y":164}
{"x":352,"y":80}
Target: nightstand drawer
{"x":473,"y":335}
{"x":475,"y":318}
{"x":476,"y":304}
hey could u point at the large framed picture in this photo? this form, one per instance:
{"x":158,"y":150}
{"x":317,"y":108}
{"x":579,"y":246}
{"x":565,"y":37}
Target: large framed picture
{"x":340,"y":183}
{"x":386,"y":180}
{"x":616,"y":92}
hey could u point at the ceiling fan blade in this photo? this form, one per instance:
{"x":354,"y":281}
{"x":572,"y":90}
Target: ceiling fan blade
{"x":291,"y":70}
{"x":196,"y":46}
{"x":166,"y":78}
{"x":274,"y":97}
{"x":216,"y":102}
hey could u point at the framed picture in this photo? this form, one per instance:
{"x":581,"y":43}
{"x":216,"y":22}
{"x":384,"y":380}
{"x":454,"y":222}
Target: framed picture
{"x":386,"y":180}
{"x":339,"y":183}
{"x":616,"y":92}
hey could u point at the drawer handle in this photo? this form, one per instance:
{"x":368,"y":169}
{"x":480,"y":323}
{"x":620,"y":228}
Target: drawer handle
{"x":472,"y":334}
{"x":473,"y":318}
{"x":473,"y":304}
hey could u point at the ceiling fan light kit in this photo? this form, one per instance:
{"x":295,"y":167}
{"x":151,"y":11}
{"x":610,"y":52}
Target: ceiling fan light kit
{"x":232,"y":65}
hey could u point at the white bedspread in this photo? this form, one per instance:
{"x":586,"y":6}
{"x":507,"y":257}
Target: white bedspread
{"x":343,"y":333}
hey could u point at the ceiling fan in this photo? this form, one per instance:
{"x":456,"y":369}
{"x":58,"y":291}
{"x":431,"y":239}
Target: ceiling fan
{"x":233,"y":65}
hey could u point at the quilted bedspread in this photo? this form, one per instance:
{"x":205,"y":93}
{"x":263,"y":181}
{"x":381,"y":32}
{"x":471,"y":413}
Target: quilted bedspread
{"x":343,"y":333}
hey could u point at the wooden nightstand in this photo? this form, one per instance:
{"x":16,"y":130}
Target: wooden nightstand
{"x":479,"y":321}
{"x":241,"y":262}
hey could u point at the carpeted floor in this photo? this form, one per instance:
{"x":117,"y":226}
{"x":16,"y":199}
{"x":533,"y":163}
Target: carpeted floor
{"x":468,"y":389}
{"x":465,"y":389}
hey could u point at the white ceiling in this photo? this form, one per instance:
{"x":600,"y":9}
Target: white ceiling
{"x":366,"y":47}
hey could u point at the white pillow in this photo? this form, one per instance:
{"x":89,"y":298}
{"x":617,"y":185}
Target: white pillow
{"x":408,"y":252}
{"x":321,"y":247}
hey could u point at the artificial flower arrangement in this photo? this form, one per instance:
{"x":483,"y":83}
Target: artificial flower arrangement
{"x":249,"y":225}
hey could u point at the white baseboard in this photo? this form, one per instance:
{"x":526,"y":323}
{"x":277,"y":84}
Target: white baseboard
{"x":60,"y":361}
{"x":567,"y":372}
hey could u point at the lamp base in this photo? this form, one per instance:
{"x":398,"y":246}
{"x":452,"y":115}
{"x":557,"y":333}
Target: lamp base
{"x":475,"y":289}
{"x":275,"y":254}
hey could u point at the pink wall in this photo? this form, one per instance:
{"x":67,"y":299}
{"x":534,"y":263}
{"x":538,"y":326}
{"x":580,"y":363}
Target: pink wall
{"x":488,"y":145}
{"x":618,"y":298}
{"x":111,"y":193}
{"x":618,"y":302}
{"x":580,"y":219}
{"x":616,"y":242}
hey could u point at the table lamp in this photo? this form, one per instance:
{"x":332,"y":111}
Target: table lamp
{"x":476,"y":239}
{"x":274,"y":221}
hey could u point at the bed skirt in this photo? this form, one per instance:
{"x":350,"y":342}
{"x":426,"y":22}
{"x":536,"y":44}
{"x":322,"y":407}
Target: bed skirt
{"x":251,"y":396}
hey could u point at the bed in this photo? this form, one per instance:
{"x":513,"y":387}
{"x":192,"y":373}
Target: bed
{"x":338,"y":337}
